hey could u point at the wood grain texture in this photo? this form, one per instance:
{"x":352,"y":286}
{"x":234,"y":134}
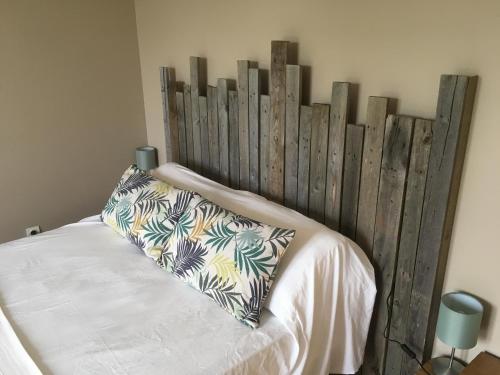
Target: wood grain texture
{"x":351,"y":178}
{"x":319,"y":153}
{"x":223,"y":114}
{"x":195,"y":73}
{"x":170,"y":125}
{"x":336,"y":142}
{"x":292,"y":117}
{"x":189,"y":126}
{"x":205,"y":154}
{"x":449,"y":141}
{"x":253,"y":128}
{"x":243,"y":124}
{"x":234,"y":152}
{"x":181,"y":121}
{"x":304,"y":159}
{"x":213,"y":133}
{"x":395,"y":159}
{"x":279,"y":52}
{"x":410,"y":227}
{"x":265,"y":118}
{"x":370,"y":171}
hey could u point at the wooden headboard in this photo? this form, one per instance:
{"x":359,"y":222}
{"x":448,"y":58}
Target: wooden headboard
{"x":391,"y":184}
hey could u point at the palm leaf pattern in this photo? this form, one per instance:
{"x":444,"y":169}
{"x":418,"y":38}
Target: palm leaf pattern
{"x":124,"y":214}
{"x":220,"y":235}
{"x":253,"y":305}
{"x":245,"y":222}
{"x":136,"y":181}
{"x":189,"y":258}
{"x":280,"y":238}
{"x":222,"y":292}
{"x":110,"y":205}
{"x":225,"y":268}
{"x":156,"y":231}
{"x":182,"y":200}
{"x":151,"y":201}
{"x":252,"y":258}
{"x":184,"y":225}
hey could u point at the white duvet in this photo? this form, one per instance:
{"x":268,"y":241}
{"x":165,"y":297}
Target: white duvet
{"x":82,"y":300}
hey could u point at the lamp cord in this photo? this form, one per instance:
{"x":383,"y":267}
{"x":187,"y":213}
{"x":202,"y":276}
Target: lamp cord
{"x":410,"y":353}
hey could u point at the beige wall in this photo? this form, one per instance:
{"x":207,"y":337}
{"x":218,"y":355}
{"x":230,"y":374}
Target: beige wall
{"x":71,"y":109}
{"x":390,"y":47}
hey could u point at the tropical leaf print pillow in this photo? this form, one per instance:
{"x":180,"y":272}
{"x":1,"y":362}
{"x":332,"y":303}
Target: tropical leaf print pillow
{"x":230,"y":258}
{"x":145,"y":210}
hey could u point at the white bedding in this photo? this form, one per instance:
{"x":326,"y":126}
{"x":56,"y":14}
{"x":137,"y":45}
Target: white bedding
{"x":82,"y":300}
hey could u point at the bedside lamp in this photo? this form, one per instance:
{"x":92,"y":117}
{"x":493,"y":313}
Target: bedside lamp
{"x":145,"y":158}
{"x":458,"y":325}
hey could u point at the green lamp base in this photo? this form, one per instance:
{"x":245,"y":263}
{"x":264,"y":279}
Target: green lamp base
{"x":441,"y":366}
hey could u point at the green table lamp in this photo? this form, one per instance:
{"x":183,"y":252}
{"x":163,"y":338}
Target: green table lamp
{"x":458,"y":325}
{"x":145,"y":158}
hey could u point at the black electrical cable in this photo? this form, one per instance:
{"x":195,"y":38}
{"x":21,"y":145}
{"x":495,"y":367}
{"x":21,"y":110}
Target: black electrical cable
{"x":410,"y":353}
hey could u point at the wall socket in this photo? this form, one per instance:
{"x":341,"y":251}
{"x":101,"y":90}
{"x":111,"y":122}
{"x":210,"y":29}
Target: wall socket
{"x":31,"y":231}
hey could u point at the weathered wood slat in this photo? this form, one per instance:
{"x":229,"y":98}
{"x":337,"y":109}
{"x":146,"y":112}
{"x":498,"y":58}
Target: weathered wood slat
{"x":370,"y":171}
{"x":410,"y":227}
{"x":223,"y":109}
{"x":205,"y":154}
{"x":243,"y":124}
{"x":396,"y":155}
{"x":279,"y":52}
{"x":265,"y":117}
{"x":449,"y":141}
{"x":352,"y":174}
{"x":168,"y":87}
{"x":213,"y":133}
{"x":181,"y":121}
{"x":319,"y":153}
{"x":253,"y":128}
{"x":293,"y":101}
{"x":234,"y":152}
{"x":336,"y":141}
{"x":304,"y":159}
{"x":195,"y":73}
{"x":189,"y":126}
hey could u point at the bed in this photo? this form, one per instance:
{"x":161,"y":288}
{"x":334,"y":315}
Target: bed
{"x":83,"y":300}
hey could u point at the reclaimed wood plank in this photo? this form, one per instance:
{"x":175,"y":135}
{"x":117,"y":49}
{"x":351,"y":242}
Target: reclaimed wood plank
{"x":414,"y":199}
{"x":243,"y":124}
{"x":170,"y":125}
{"x":265,"y":117}
{"x":370,"y":171}
{"x":449,"y":141}
{"x":319,"y":153}
{"x":234,"y":149}
{"x":292,"y":117}
{"x":189,"y":126}
{"x":351,"y":178}
{"x":195,"y":75}
{"x":205,"y":154}
{"x":222,"y":110}
{"x":213,"y":133}
{"x":279,"y":52}
{"x":253,"y":128}
{"x":393,"y":174}
{"x":304,"y":159}
{"x":181,"y":121}
{"x":336,"y":142}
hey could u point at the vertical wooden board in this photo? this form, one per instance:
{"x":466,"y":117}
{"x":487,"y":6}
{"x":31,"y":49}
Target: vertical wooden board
{"x":319,"y":153}
{"x":213,"y":133}
{"x":253,"y":128}
{"x":195,"y":72}
{"x":336,"y":142}
{"x":293,"y":101}
{"x":304,"y":159}
{"x":189,"y":126}
{"x":370,"y":171}
{"x":449,"y":141}
{"x":168,"y":87}
{"x":234,"y":149}
{"x":396,"y":155}
{"x":351,"y":178}
{"x":279,"y":51}
{"x":410,"y":227}
{"x":265,"y":112}
{"x":205,"y":154}
{"x":243,"y":124}
{"x":181,"y":121}
{"x":222,"y":110}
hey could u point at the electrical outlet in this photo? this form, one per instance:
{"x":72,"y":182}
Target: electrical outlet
{"x":31,"y":231}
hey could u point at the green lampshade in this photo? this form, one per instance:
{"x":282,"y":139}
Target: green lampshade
{"x":459,"y":320}
{"x":146,"y":158}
